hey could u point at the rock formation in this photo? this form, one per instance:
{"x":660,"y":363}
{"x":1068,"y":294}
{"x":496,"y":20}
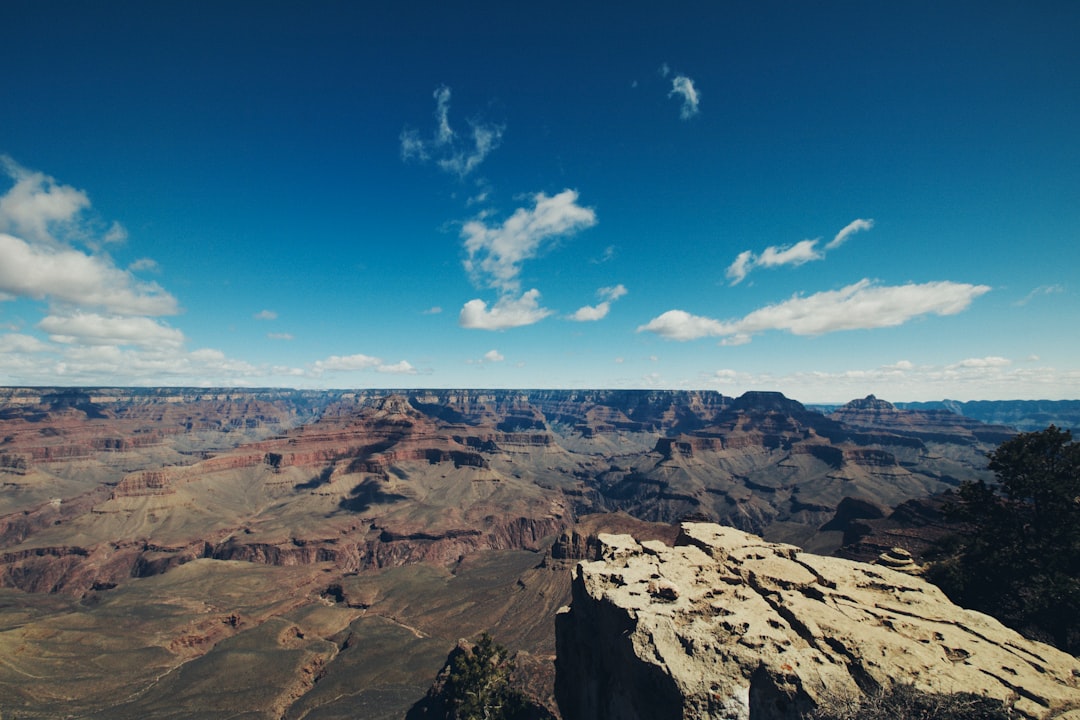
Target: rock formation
{"x":726,"y":625}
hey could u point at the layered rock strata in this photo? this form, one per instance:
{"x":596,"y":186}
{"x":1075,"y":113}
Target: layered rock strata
{"x":726,"y":625}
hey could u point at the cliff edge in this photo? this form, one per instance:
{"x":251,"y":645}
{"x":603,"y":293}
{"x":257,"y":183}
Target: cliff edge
{"x":726,"y":625}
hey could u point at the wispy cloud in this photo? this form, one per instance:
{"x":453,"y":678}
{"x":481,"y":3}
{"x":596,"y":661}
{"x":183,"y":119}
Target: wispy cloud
{"x":599,"y":311}
{"x":800,"y":253}
{"x":742,"y":265}
{"x":797,"y":254}
{"x":684,"y":87}
{"x":495,"y":253}
{"x":449,"y":150}
{"x":144,"y":265}
{"x":860,"y":306}
{"x":857,"y":225}
{"x":607,"y":256}
{"x":508,"y":312}
{"x":265,"y":315}
{"x":280,"y":336}
{"x":1039,"y":292}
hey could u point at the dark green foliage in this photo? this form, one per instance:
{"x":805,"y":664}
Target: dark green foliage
{"x":479,"y":685}
{"x":1018,"y":557}
{"x":904,"y":702}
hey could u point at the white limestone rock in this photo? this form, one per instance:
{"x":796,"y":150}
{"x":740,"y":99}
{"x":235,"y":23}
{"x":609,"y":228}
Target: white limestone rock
{"x":726,"y":625}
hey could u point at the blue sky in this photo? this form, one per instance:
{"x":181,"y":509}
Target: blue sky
{"x":827,"y":199}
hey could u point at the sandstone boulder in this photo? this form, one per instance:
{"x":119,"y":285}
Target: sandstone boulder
{"x":726,"y":625}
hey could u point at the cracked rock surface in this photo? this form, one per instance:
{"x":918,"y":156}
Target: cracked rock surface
{"x":726,"y":625}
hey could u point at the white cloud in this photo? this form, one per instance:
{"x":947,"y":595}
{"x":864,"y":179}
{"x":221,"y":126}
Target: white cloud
{"x":265,"y":315}
{"x":70,"y":276}
{"x":138,"y":355}
{"x":589,"y":313}
{"x":359,"y":362}
{"x":399,"y":368}
{"x":116,"y":234}
{"x":449,"y":151}
{"x":984,"y":362}
{"x":800,"y":253}
{"x":613,"y":293}
{"x":497,"y":252}
{"x":493,"y":356}
{"x":857,"y":225}
{"x":83,"y":328}
{"x":506,"y":313}
{"x":144,"y":265}
{"x":740,"y":268}
{"x":280,"y":336}
{"x":683,"y":86}
{"x":36,"y":204}
{"x":773,"y":256}
{"x":434,"y":310}
{"x":598,"y":312}
{"x":860,"y":306}
{"x":681,"y":325}
{"x":797,"y":254}
{"x":346,"y":363}
{"x":19,"y":343}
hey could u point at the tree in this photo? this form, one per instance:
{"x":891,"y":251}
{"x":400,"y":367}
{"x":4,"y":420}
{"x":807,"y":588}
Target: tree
{"x":479,"y":684}
{"x":1018,"y":556}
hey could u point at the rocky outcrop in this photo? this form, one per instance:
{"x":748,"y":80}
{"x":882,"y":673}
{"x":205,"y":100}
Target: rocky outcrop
{"x":726,"y":625}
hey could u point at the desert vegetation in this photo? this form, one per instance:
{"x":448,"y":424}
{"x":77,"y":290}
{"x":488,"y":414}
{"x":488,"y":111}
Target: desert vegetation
{"x":478,"y":684}
{"x":1017,"y":556}
{"x":904,"y":702}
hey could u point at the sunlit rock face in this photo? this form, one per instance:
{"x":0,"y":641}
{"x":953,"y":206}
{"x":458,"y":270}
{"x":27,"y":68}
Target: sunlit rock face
{"x":725,"y":625}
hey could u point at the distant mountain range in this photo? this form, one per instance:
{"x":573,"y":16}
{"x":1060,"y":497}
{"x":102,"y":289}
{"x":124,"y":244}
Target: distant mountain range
{"x":1024,"y":415}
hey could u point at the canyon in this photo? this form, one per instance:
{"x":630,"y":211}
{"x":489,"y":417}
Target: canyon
{"x":267,"y":553}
